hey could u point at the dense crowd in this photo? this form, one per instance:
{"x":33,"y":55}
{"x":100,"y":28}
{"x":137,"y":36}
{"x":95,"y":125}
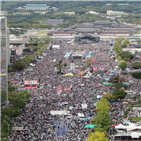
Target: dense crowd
{"x":37,"y":121}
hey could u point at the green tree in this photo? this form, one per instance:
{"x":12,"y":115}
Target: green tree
{"x":19,"y":65}
{"x":102,"y":118}
{"x":3,"y":96}
{"x":19,"y":103}
{"x":108,"y":96}
{"x":118,"y":79}
{"x":4,"y":129}
{"x":123,"y":65}
{"x":136,"y":65}
{"x":119,"y":58}
{"x":2,"y":133}
{"x":6,"y":118}
{"x":126,"y":55}
{"x":10,"y":69}
{"x":136,"y":75}
{"x":125,"y":42}
{"x":97,"y":136}
{"x":47,"y":40}
{"x":11,"y":112}
{"x":119,"y":93}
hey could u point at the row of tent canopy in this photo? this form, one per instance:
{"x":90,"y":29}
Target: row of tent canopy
{"x":130,"y":127}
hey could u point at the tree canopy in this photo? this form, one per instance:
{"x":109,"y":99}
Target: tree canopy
{"x":97,"y":136}
{"x":19,"y":65}
{"x":102,"y":118}
{"x":126,"y":55}
{"x":136,"y":75}
{"x":125,"y":42}
{"x":118,"y":79}
{"x":119,"y":93}
{"x":136,"y":65}
{"x":123,"y":65}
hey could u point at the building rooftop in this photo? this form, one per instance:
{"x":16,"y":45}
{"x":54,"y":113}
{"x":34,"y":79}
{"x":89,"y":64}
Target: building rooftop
{"x":116,"y":32}
{"x":15,"y":40}
{"x":3,"y":12}
{"x":85,"y":25}
{"x":36,"y":5}
{"x":100,"y":21}
{"x":54,"y":21}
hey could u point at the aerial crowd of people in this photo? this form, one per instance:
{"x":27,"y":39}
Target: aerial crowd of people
{"x":66,"y":93}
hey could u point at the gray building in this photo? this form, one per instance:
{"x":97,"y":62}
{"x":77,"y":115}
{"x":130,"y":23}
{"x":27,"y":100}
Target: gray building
{"x":54,"y":22}
{"x":100,"y":27}
{"x":4,"y":61}
{"x":17,"y":45}
{"x":4,"y":12}
{"x":36,"y":7}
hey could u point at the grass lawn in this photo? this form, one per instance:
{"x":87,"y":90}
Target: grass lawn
{"x":136,"y":118}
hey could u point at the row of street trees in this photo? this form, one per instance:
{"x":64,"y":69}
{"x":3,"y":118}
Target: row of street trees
{"x":18,"y":101}
{"x":118,"y":45}
{"x":102,"y":120}
{"x":122,"y":56}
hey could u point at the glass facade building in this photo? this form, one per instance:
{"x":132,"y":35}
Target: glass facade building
{"x":4,"y":60}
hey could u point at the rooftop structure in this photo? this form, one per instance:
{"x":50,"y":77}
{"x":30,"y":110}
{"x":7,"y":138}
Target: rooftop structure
{"x":101,"y":27}
{"x":127,"y":132}
{"x":54,"y":22}
{"x":92,"y":12}
{"x":36,"y":7}
{"x":70,"y":13}
{"x":4,"y":12}
{"x":53,"y":9}
{"x":111,"y":12}
{"x":122,"y":4}
{"x":20,"y":8}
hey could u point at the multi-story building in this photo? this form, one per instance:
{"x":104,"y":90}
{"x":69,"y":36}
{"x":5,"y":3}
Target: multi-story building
{"x":4,"y":60}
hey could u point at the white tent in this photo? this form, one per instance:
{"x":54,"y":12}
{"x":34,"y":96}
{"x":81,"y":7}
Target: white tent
{"x":70,"y":107}
{"x":59,"y":112}
{"x":135,"y":135}
{"x":56,"y":46}
{"x":139,"y":127}
{"x":84,"y":106}
{"x":120,"y":126}
{"x":80,"y":115}
{"x":64,"y":103}
{"x":131,"y":127}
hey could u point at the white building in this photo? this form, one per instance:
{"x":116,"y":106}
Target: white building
{"x":70,"y":13}
{"x":111,"y":12}
{"x":92,"y":12}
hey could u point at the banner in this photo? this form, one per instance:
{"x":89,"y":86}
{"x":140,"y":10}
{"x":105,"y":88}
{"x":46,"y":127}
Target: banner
{"x":27,"y":82}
